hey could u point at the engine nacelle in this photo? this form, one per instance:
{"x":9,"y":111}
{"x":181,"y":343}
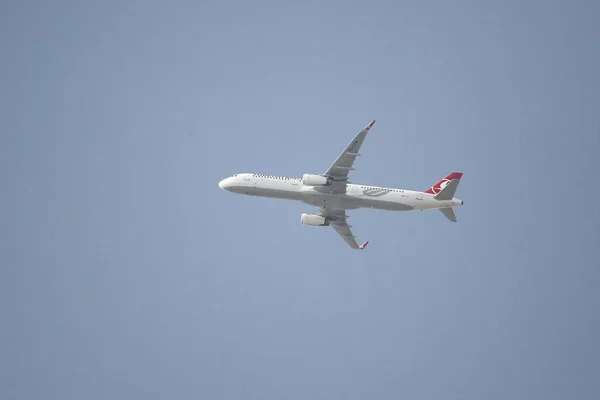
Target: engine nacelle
{"x":315,"y":180}
{"x":313,"y":220}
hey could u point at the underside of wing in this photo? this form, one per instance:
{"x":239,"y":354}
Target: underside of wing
{"x":340,"y":169}
{"x":449,"y":213}
{"x":338,"y":220}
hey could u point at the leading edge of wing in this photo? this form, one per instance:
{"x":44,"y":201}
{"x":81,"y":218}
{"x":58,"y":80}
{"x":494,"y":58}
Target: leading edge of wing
{"x":343,"y":164}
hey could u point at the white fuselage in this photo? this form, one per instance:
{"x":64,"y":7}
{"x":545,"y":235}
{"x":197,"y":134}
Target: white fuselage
{"x":356,"y":196}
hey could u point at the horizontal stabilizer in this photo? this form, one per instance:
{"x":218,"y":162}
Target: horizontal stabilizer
{"x":448,"y":190}
{"x":449,"y":213}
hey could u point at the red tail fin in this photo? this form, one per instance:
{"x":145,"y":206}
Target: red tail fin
{"x":435,"y":189}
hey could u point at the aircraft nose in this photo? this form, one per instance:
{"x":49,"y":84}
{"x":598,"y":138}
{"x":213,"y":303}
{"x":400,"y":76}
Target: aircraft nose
{"x":223,"y":184}
{"x":227,"y":183}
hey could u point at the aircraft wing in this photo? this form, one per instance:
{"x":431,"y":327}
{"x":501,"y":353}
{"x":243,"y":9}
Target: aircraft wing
{"x":343,"y":165}
{"x":339,"y":222}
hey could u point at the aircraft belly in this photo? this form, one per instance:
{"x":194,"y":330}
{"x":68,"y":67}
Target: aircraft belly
{"x":282,"y":194}
{"x":321,"y":200}
{"x":390,"y":204}
{"x":381,"y":201}
{"x":349,"y":203}
{"x":270,"y":192}
{"x":331,"y":200}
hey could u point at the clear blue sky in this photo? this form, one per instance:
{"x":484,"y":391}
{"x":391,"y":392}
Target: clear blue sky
{"x":127,"y":273}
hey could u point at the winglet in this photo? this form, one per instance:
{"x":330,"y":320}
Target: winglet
{"x":370,"y":125}
{"x":362,"y":246}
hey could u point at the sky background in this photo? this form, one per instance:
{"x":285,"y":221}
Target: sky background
{"x":127,"y":273}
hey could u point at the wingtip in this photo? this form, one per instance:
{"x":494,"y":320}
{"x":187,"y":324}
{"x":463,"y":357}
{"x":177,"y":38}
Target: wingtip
{"x":362,"y":246}
{"x":370,"y":125}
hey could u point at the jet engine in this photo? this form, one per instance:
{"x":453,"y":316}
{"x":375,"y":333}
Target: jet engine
{"x":315,"y":180}
{"x":313,"y":220}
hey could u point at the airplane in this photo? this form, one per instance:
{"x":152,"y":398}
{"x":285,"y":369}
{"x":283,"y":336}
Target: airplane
{"x":333,"y":194}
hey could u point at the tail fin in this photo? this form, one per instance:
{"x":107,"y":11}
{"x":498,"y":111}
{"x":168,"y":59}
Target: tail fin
{"x":447,"y":192}
{"x":435,"y":189}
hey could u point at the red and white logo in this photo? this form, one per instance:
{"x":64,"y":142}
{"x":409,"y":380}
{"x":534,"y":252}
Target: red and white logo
{"x":440,"y":185}
{"x":435,"y":189}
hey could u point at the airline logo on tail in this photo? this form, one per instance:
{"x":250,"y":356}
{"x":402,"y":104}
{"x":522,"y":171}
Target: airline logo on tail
{"x":435,"y":189}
